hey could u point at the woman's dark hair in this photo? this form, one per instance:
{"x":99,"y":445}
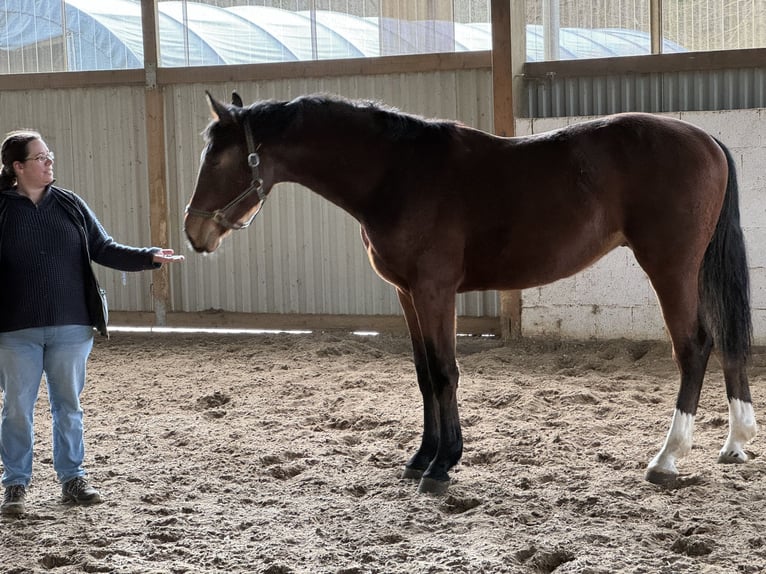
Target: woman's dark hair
{"x":14,"y":148}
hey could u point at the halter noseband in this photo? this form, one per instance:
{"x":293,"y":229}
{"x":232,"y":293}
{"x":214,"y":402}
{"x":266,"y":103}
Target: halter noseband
{"x":256,"y":186}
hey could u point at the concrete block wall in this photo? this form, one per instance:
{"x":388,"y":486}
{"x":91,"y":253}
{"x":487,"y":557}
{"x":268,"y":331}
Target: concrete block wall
{"x":614,"y":298}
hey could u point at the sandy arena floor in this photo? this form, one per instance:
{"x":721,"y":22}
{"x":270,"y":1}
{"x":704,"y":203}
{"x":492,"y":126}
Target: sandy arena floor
{"x":282,"y":454}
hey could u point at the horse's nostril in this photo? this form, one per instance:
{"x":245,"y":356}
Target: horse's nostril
{"x":191,"y":242}
{"x":198,"y":248}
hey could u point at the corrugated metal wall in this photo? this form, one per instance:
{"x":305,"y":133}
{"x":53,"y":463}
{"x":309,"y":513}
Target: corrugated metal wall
{"x":660,"y":92}
{"x":303,"y":254}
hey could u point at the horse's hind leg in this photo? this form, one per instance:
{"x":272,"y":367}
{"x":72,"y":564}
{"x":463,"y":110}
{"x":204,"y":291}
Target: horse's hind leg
{"x":692,"y":344}
{"x":742,"y":427}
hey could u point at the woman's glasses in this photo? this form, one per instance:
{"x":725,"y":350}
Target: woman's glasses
{"x":42,"y":157}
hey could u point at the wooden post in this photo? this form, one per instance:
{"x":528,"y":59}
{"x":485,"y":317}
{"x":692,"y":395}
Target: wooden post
{"x":155,"y":136}
{"x":508,"y":55}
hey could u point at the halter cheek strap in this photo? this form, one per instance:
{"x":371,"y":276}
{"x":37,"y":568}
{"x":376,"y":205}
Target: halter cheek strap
{"x":220,"y":216}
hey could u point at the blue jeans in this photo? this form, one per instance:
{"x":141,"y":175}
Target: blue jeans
{"x":25,"y":355}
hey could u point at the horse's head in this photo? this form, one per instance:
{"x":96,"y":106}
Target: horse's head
{"x":230,"y":190}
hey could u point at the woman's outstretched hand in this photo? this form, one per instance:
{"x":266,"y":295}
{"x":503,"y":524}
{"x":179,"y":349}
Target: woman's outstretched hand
{"x":167,"y":256}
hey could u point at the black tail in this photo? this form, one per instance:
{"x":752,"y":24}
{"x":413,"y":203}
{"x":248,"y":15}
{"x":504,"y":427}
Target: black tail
{"x":725,"y":278}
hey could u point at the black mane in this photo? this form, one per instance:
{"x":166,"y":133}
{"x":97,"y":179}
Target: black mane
{"x":271,"y":118}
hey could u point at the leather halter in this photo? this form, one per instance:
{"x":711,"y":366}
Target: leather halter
{"x":256,"y":186}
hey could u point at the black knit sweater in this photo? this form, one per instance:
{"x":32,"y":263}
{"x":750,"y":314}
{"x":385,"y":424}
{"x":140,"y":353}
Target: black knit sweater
{"x":45,"y":253}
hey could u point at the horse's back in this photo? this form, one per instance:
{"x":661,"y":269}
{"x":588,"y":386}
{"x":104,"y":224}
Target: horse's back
{"x":625,"y":141}
{"x":556,"y":202}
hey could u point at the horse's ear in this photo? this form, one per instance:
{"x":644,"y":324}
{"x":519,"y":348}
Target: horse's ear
{"x":219,"y":111}
{"x":236,"y":100}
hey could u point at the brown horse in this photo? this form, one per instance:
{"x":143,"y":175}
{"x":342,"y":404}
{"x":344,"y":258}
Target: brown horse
{"x":445,"y":208}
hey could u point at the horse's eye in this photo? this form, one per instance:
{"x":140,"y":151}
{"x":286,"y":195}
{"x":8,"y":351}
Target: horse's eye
{"x":209,"y":156}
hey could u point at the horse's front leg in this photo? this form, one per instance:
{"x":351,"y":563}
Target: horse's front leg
{"x":435,"y":312}
{"x":429,"y":443}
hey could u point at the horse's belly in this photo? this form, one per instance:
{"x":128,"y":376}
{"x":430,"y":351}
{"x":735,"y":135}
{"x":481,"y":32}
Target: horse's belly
{"x":524,"y":266}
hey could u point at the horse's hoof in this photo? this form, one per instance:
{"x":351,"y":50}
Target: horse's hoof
{"x":660,"y":478}
{"x":413,"y":473}
{"x":732,"y":457}
{"x":433,"y":486}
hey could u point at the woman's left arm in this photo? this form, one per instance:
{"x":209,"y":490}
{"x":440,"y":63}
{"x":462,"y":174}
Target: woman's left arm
{"x":107,"y":252}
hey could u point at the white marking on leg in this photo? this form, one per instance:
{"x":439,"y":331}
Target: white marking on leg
{"x":677,"y":445}
{"x":742,"y":429}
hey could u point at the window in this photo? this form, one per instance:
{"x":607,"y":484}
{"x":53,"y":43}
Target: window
{"x":567,"y":29}
{"x":242,"y":32}
{"x":68,"y":35}
{"x":702,"y":25}
{"x":572,"y":29}
{"x":62,"y":35}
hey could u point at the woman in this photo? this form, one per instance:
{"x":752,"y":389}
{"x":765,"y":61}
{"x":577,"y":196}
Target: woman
{"x":49,"y":304}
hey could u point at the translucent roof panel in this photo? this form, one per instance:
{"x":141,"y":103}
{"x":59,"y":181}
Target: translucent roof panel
{"x":294,"y":30}
{"x":362,"y":33}
{"x":415,"y":36}
{"x":21,"y":22}
{"x":641,"y":40}
{"x":577,"y":43}
{"x":235,"y":39}
{"x":178,"y":47}
{"x":120,"y":17}
{"x":473,"y":37}
{"x":89,"y":44}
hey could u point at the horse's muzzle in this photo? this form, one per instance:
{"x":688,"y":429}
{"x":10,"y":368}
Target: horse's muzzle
{"x":203,"y":234}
